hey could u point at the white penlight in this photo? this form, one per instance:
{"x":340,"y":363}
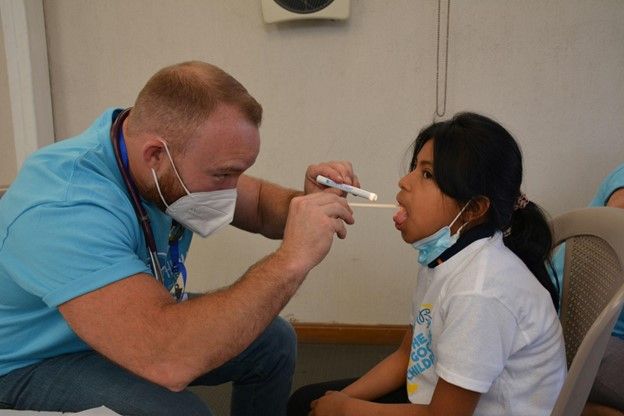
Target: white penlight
{"x":347,"y":188}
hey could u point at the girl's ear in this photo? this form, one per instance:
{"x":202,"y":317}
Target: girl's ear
{"x":477,"y":209}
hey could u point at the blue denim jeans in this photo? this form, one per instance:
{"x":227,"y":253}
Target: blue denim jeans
{"x":261,"y":376}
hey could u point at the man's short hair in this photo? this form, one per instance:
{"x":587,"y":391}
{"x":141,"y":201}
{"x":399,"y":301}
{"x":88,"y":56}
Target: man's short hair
{"x":178,"y":99}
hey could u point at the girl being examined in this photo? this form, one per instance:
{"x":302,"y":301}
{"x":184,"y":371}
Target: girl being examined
{"x":485,"y":338}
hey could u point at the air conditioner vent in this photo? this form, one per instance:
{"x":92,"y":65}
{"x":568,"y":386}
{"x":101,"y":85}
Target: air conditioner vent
{"x":284,"y":10}
{"x":304,"y":6}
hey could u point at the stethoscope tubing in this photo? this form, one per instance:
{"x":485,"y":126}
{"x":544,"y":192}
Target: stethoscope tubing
{"x":141,"y":215}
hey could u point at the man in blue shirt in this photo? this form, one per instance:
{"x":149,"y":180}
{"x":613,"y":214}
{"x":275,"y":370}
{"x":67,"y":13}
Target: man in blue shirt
{"x":83,"y":321}
{"x":608,"y":389}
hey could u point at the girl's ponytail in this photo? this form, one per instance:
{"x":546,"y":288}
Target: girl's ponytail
{"x":529,"y":237}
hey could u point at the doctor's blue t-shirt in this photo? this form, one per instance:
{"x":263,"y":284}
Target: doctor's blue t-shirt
{"x":67,"y":227}
{"x":613,"y":182}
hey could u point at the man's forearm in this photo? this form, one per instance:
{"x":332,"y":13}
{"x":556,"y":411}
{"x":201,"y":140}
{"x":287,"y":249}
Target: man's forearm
{"x":262,"y":206}
{"x":135,"y":322}
{"x":273,"y":208}
{"x":227,"y":321}
{"x":224,"y":323}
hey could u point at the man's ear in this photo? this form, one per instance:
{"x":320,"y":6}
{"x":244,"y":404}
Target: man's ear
{"x":477,"y":209}
{"x":153,"y":153}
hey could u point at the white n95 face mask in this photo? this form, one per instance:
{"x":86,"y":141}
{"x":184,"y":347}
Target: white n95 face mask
{"x":201,"y":212}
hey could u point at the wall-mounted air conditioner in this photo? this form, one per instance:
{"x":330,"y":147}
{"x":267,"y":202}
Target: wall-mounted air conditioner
{"x":284,"y":10}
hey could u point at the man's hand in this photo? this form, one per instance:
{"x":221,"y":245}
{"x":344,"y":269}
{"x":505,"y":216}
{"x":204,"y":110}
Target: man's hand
{"x":312,"y":222}
{"x":337,"y":171}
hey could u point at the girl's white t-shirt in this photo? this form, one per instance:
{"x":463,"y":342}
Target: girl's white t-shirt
{"x":483,"y":322}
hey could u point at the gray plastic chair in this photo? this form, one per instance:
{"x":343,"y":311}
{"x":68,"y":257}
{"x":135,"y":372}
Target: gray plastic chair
{"x":592,"y":297}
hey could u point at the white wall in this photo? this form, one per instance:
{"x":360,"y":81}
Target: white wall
{"x":360,"y":90}
{"x":7,"y":147}
{"x":27,"y":109}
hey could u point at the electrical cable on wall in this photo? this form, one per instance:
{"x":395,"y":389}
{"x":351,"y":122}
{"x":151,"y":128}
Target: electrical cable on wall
{"x":440,"y":109}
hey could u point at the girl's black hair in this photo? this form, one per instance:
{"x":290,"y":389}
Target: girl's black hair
{"x":475,"y":156}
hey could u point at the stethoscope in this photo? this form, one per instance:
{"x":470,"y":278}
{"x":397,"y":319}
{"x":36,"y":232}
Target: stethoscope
{"x":121,"y":156}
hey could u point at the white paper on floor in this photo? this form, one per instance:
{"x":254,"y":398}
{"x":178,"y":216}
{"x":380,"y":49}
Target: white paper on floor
{"x":99,"y":411}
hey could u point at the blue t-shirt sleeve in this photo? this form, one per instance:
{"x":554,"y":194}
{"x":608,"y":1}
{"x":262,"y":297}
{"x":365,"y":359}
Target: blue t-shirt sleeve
{"x":556,"y":273}
{"x":58,"y":251}
{"x":609,"y":185}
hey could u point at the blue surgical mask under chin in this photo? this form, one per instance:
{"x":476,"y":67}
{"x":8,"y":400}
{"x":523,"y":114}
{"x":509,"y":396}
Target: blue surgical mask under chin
{"x":430,"y":248}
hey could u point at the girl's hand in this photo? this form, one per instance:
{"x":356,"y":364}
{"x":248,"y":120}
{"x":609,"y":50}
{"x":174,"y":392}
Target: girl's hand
{"x":332,"y":404}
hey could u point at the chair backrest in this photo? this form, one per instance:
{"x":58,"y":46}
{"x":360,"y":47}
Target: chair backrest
{"x":592,"y":296}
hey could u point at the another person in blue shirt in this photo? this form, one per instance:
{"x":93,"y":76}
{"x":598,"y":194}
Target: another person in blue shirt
{"x":83,"y":321}
{"x":608,"y":389}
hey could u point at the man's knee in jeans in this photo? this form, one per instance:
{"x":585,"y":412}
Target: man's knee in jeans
{"x":169,"y":404}
{"x":284,"y":338}
{"x":288,"y":342}
{"x":279,"y":345}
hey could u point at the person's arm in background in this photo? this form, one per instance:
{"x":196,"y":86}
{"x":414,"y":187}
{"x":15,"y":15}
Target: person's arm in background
{"x":616,"y":200}
{"x":135,"y":322}
{"x":262,"y":206}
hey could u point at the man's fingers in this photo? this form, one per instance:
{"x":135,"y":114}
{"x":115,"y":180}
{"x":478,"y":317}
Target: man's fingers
{"x":340,"y":171}
{"x":340,"y":228}
{"x":338,"y":208}
{"x":330,"y":201}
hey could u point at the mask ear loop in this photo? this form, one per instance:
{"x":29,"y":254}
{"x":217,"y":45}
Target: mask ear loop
{"x":174,"y":168}
{"x":457,"y":216}
{"x":162,"y":198}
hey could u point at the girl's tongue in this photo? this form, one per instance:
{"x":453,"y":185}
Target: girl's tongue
{"x":400,"y":217}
